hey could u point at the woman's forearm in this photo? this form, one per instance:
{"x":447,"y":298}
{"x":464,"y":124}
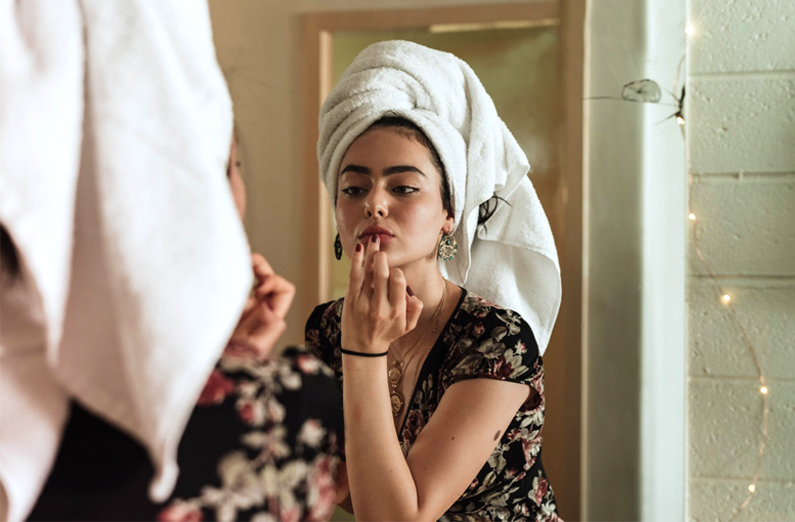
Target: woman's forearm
{"x":381,"y":483}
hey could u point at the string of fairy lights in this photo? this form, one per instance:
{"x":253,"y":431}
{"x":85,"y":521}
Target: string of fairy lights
{"x":726,"y":300}
{"x":648,"y":91}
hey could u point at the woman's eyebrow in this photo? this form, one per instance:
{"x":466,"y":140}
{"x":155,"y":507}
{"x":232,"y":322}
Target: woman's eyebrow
{"x":402,"y":168}
{"x":397,"y":169}
{"x":355,"y":168}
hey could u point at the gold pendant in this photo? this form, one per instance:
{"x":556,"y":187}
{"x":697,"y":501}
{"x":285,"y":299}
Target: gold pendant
{"x":394,"y":374}
{"x":397,"y":402}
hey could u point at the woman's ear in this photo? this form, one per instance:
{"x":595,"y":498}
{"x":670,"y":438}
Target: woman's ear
{"x":449,"y":223}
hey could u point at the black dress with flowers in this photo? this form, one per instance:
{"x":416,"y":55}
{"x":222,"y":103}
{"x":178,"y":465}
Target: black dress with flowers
{"x":263,"y":443}
{"x":481,"y":340}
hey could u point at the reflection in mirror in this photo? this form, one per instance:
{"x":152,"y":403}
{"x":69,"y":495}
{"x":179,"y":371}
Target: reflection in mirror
{"x":500,"y":58}
{"x":518,"y":67}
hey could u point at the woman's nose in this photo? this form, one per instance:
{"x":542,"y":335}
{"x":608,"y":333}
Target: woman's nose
{"x":375,"y":205}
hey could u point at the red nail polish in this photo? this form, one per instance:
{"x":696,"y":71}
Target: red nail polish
{"x":375,"y":238}
{"x":408,"y":291}
{"x":358,"y":247}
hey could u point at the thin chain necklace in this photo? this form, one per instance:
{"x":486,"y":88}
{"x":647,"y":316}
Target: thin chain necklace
{"x":396,"y":366}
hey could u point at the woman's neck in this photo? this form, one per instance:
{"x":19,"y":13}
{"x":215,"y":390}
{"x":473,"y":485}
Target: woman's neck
{"x":426,"y":283}
{"x":428,"y":286}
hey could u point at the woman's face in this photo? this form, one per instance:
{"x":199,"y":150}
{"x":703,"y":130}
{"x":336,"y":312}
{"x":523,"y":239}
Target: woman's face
{"x":236,"y":180}
{"x":388,"y":186}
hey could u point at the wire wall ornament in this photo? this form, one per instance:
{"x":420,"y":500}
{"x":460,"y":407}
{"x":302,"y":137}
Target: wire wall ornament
{"x":642,"y":91}
{"x":649,"y":91}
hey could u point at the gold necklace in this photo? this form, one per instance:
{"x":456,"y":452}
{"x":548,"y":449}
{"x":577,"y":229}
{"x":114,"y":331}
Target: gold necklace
{"x":395,"y":371}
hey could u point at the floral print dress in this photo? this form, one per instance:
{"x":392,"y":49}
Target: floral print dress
{"x":262,"y":444}
{"x":278,"y":429}
{"x":481,"y":340}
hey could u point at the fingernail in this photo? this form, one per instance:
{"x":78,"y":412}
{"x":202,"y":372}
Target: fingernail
{"x":374,"y":238}
{"x":408,"y":291}
{"x":358,"y":247}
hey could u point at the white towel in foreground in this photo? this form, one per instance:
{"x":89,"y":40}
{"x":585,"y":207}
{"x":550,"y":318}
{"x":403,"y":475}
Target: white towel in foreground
{"x":512,"y":260}
{"x":115,"y":124}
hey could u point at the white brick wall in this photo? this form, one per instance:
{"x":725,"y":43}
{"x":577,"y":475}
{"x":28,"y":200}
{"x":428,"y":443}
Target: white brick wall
{"x":742,"y":35}
{"x":743,"y":123}
{"x":746,"y":224}
{"x":741,"y":133}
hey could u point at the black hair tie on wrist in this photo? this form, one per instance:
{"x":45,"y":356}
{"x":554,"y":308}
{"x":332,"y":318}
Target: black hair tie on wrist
{"x":362,"y":354}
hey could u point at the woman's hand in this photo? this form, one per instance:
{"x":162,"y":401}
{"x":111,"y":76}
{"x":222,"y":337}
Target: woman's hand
{"x":262,"y":322}
{"x":377,"y":307}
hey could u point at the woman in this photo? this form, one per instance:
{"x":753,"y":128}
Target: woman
{"x":261,"y":443}
{"x":443,"y":392}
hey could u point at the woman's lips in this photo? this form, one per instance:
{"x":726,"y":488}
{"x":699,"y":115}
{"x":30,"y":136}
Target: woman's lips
{"x":384,"y":235}
{"x":382,"y":238}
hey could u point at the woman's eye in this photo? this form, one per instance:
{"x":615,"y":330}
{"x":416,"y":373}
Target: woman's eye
{"x":352,"y":191}
{"x":405,"y":190}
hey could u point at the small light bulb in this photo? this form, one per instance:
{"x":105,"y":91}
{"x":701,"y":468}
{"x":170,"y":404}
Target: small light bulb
{"x":763,"y":390}
{"x":691,"y":217}
{"x":752,"y":488}
{"x":680,"y":120}
{"x":690,"y":30}
{"x":726,"y":298}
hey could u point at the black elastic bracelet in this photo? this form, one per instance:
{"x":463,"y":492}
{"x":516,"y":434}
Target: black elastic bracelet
{"x":362,"y":354}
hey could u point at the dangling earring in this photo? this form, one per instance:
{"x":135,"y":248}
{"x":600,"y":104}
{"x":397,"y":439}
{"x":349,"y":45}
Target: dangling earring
{"x":448,"y":247}
{"x":338,"y":248}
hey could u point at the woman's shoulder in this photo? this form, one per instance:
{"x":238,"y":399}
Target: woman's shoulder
{"x":322,"y":330}
{"x":487,"y":340}
{"x":477,"y":309}
{"x":324,"y":312}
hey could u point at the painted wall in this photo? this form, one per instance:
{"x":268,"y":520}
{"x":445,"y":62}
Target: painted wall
{"x":612,"y":263}
{"x":742,"y":142}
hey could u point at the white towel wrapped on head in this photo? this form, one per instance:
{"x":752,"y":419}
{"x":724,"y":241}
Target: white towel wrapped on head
{"x":512,"y":260}
{"x":115,"y":126}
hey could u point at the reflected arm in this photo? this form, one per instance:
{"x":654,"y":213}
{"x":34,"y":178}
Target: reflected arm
{"x":445,"y":458}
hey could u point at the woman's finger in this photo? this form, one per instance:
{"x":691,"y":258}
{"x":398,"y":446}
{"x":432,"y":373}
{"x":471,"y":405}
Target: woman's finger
{"x":264,"y":329}
{"x":278,"y":292}
{"x":373,"y":247}
{"x":266,"y":286}
{"x":397,"y":290}
{"x":355,"y":276}
{"x":257,"y":319}
{"x":381,"y":281}
{"x":270,"y":284}
{"x":261,"y":266}
{"x":413,"y":310}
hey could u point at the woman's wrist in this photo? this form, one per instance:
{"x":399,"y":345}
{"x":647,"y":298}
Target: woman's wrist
{"x":357,"y":353}
{"x":376,"y":347}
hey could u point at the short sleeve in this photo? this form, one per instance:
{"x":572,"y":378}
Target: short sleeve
{"x":496,"y":345}
{"x":322,"y":332}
